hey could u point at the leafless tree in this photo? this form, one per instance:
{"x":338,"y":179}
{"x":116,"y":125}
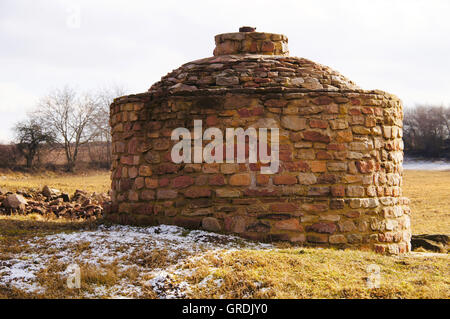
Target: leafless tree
{"x":71,"y":117}
{"x":105,"y":97}
{"x":427,"y":130}
{"x":30,"y":135}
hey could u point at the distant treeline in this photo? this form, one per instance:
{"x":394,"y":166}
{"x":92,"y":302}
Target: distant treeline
{"x":426,"y":131}
{"x":53,"y":157}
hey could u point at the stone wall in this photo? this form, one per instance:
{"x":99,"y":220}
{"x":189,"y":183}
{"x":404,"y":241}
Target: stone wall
{"x":340,"y":174}
{"x":251,"y":42}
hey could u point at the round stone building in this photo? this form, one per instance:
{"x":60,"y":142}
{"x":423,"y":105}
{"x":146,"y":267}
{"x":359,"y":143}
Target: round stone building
{"x":339,"y":179}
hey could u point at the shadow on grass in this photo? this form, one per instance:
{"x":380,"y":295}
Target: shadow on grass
{"x":35,"y":225}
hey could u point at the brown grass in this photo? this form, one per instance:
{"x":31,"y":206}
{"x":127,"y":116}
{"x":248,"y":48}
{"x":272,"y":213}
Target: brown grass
{"x":429,"y":192}
{"x":91,"y":181}
{"x":280,"y":273}
{"x":320,"y":273}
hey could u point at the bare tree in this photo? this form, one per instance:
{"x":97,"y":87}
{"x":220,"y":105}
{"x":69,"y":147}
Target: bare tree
{"x":427,"y":130}
{"x":30,"y":136}
{"x":71,"y":117}
{"x":105,"y":97}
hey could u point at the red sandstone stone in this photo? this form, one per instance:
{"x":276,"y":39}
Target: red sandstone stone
{"x":328,"y":228}
{"x":151,"y":183}
{"x":163,"y":182}
{"x":318,"y":166}
{"x":241,"y":179}
{"x":322,"y":100}
{"x":216,"y":180}
{"x":338,"y":190}
{"x":166,"y":194}
{"x":296,"y":166}
{"x":316,"y":137}
{"x":323,"y":155}
{"x":182,"y":181}
{"x":319,"y":239}
{"x":147,"y":195}
{"x":289,"y":224}
{"x":283,"y":207}
{"x":167,"y":168}
{"x":212,"y":120}
{"x":275,"y":103}
{"x":196,"y":192}
{"x":262,"y":179}
{"x":315,"y":123}
{"x":365,"y":166}
{"x":315,"y":208}
{"x":344,"y":136}
{"x":284,"y":180}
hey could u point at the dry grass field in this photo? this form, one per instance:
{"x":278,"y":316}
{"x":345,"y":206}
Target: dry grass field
{"x":91,"y":181}
{"x":429,"y":192}
{"x":141,"y":262}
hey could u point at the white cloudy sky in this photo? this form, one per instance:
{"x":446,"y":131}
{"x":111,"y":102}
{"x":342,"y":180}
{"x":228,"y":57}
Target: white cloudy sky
{"x":402,"y":47}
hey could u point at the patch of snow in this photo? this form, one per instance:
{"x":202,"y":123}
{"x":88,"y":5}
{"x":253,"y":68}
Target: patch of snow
{"x":426,"y":165}
{"x":106,"y":245}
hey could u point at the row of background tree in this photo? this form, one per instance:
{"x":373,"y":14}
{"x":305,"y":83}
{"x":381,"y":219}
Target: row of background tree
{"x":64,"y":122}
{"x":426,"y":131}
{"x":69,"y":121}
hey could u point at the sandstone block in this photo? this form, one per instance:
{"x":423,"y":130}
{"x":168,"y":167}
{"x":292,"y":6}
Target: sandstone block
{"x":284,"y":180}
{"x":211,"y":224}
{"x":240,"y":179}
{"x":294,"y":123}
{"x":197,"y":192}
{"x":166,"y":194}
{"x":327,"y":228}
{"x":289,"y":224}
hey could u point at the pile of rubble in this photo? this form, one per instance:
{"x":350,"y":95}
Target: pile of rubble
{"x":53,"y":203}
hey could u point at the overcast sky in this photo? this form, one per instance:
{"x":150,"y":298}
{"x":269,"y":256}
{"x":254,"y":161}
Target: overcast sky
{"x":402,"y":47}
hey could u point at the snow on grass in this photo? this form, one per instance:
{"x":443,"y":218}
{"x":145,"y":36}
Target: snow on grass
{"x":127,"y":247}
{"x":426,"y":165}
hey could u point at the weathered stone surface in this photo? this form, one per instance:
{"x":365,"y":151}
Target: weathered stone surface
{"x":197,"y":192}
{"x":315,"y":136}
{"x":293,"y":122}
{"x":283,"y":207}
{"x":227,"y":192}
{"x":328,"y":228}
{"x":241,"y":179}
{"x":284,"y":180}
{"x":50,"y":192}
{"x":307,"y":179}
{"x":211,"y":224}
{"x":182,"y":181}
{"x":317,"y":238}
{"x":337,"y":239}
{"x":166,"y":194}
{"x":15,"y":201}
{"x":227,"y":80}
{"x":289,"y":224}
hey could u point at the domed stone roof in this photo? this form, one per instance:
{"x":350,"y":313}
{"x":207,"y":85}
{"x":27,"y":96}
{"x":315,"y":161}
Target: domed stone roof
{"x":252,"y":60}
